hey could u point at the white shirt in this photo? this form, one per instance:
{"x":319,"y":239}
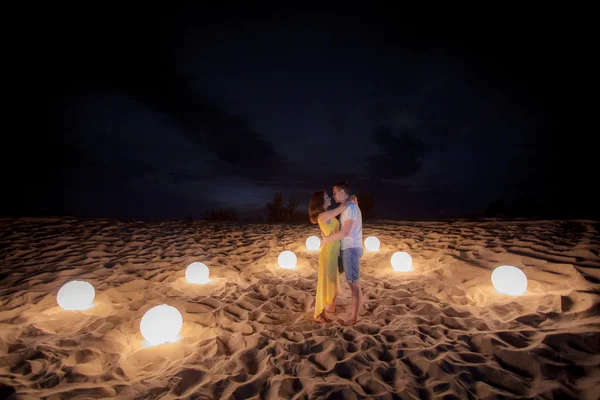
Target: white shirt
{"x":355,"y":237}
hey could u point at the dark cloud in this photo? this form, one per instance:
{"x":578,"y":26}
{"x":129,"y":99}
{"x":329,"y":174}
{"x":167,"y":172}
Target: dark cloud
{"x":401,"y":157}
{"x":239,"y":149}
{"x":138,"y":63}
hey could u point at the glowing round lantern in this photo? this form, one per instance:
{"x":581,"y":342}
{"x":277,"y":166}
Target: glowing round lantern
{"x":402,"y":262}
{"x":161,"y":324}
{"x":287,"y":260}
{"x":197,"y":272}
{"x":313,"y":243}
{"x":509,"y":280}
{"x":372,"y":243}
{"x":76,"y":295}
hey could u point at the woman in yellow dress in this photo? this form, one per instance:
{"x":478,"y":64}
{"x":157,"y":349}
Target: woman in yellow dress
{"x":328,"y":278}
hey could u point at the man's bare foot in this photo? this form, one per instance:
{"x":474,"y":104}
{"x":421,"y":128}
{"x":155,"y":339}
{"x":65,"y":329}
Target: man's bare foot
{"x":349,"y":322}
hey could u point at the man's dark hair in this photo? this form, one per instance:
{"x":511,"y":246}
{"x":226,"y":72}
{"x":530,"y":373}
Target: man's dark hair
{"x":343,"y":185}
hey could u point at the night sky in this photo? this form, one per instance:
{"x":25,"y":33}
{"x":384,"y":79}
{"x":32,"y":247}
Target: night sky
{"x":161,"y":114}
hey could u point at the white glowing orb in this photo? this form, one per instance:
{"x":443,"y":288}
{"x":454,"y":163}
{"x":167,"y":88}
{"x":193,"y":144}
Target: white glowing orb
{"x":197,"y":272}
{"x":372,"y":243}
{"x":287,"y":260}
{"x":509,"y":280}
{"x":161,"y":324}
{"x":76,"y":295}
{"x":313,"y":243}
{"x":402,"y":262}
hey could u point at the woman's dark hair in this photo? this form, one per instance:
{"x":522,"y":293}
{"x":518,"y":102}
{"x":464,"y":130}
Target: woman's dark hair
{"x":316,"y":206}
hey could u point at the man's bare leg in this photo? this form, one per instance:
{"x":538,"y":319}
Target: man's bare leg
{"x":356,"y":302}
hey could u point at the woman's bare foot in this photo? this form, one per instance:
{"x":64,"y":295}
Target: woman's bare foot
{"x":322,"y":318}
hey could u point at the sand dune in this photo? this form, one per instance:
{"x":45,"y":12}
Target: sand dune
{"x":440,"y":331}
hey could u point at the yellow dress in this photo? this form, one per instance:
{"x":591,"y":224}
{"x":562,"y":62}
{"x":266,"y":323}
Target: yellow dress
{"x":328,"y":280}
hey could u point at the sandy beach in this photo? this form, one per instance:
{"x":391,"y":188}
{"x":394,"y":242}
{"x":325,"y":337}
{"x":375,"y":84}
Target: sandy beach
{"x":439,"y":331}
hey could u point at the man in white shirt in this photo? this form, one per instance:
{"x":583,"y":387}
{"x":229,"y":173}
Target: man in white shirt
{"x":351,"y":238}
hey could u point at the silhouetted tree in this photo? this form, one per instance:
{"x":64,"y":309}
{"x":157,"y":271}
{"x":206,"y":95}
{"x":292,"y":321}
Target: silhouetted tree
{"x":278,"y":211}
{"x":275,"y":209}
{"x":290,"y":210}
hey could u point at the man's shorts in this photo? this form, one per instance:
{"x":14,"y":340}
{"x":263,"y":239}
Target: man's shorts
{"x":351,"y":260}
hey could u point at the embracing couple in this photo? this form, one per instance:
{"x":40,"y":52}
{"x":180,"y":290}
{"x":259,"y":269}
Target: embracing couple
{"x":341,"y":239}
